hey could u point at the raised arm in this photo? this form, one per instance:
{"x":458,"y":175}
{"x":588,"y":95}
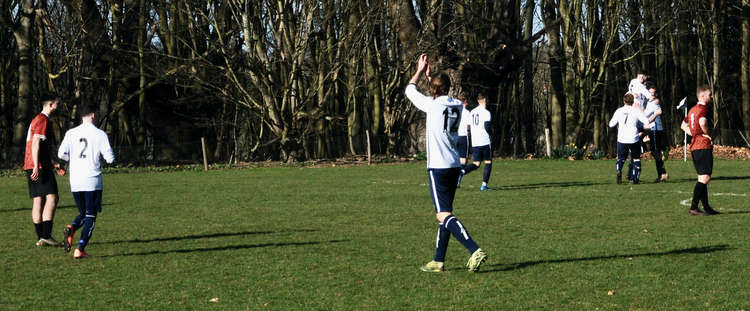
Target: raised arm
{"x":418,"y":99}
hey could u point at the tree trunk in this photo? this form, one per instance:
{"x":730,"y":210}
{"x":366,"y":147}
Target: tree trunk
{"x":716,"y":78}
{"x":527,"y":104}
{"x":25,"y":75}
{"x":557,"y":67}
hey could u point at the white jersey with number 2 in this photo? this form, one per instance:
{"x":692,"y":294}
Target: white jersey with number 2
{"x":443,"y":116}
{"x":83,"y":147}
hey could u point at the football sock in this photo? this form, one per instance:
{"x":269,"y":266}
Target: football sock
{"x":487,"y":171}
{"x":441,"y":244}
{"x":469,"y":168}
{"x":459,"y":232}
{"x":630,"y":170}
{"x":703,"y":194}
{"x":619,"y":164}
{"x":38,"y":228}
{"x":696,"y":196}
{"x":636,"y":172}
{"x":88,"y":230}
{"x":47,"y":229}
{"x":78,"y":221}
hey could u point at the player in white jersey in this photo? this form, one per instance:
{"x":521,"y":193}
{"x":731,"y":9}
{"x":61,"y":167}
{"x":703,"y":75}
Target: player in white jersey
{"x":626,"y":119}
{"x":443,"y":167}
{"x":639,"y":89}
{"x":462,"y":144}
{"x":657,"y":138}
{"x":83,"y":147}
{"x":480,"y":141}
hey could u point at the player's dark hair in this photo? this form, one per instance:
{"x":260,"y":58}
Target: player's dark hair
{"x":440,"y":85}
{"x":48,"y":97}
{"x":480,"y":95}
{"x":86,"y":109}
{"x":701,"y":88}
{"x":628,"y":99}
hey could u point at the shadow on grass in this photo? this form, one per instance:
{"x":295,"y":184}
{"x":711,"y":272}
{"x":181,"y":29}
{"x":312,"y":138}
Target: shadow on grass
{"x":29,"y":208}
{"x":222,"y":248}
{"x":199,"y":236}
{"x":693,"y":179}
{"x":691,"y":250}
{"x":563,"y":184}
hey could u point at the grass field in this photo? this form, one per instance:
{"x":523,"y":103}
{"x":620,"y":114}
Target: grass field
{"x":560,"y":235}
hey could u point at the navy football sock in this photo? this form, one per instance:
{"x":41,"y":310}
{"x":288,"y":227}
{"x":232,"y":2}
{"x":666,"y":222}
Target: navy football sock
{"x":88,"y":231}
{"x":459,"y":232}
{"x":441,"y":243}
{"x":469,"y":168}
{"x":487,"y":171}
{"x":636,"y":177}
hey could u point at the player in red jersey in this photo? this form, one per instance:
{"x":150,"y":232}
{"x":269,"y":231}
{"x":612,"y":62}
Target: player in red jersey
{"x":696,"y":125}
{"x":40,"y":171}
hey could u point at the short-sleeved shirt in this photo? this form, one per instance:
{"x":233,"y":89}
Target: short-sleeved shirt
{"x":479,"y":135}
{"x":692,"y":119}
{"x":84,"y":146}
{"x":626,"y":118}
{"x":651,"y":108}
{"x":463,"y":126}
{"x":38,"y":129}
{"x":443,"y":115}
{"x":639,"y":91}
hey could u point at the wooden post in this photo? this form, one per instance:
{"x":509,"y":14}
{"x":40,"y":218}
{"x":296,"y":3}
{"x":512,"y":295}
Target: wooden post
{"x":369,"y":152}
{"x":205,"y":160}
{"x":546,"y":141}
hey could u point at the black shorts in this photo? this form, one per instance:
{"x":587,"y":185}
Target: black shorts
{"x":462,"y":146}
{"x":46,"y":184}
{"x":703,"y":160}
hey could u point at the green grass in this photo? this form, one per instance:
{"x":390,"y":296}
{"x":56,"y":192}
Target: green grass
{"x":559,"y":234}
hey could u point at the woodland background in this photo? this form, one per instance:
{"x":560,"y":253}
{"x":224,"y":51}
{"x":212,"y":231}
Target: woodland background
{"x":294,"y":80}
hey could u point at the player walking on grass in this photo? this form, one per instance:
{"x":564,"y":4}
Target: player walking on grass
{"x":83,"y":147}
{"x":657,"y":138}
{"x":39,"y":167}
{"x":695,"y":124}
{"x":443,"y":167}
{"x":462,"y":144}
{"x":480,"y":140}
{"x":626,"y":119}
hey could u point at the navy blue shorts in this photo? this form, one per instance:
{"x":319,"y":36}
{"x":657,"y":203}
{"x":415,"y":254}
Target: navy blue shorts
{"x":462,"y":146}
{"x":482,"y":153}
{"x":633,"y":149}
{"x":443,"y":183}
{"x":703,"y":160}
{"x":88,"y":202}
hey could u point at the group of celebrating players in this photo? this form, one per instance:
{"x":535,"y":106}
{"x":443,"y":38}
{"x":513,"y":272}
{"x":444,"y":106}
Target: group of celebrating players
{"x":449,"y":122}
{"x":641,"y":112}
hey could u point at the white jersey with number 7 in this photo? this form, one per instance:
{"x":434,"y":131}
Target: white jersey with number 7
{"x":626,"y":118}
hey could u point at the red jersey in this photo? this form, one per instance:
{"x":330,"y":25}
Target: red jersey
{"x":38,"y":128}
{"x":699,"y":141}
